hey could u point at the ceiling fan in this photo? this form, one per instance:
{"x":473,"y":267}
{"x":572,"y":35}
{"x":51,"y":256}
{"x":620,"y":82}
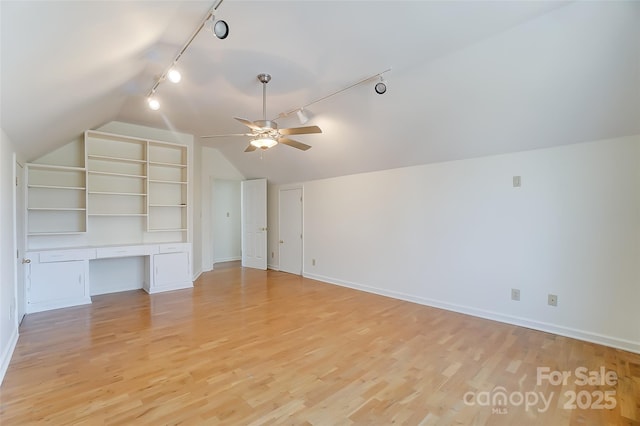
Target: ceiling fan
{"x":265,"y":133}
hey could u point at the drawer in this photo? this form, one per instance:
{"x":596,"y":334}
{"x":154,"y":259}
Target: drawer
{"x":123,"y":251}
{"x":64,"y":255}
{"x":174,"y":248}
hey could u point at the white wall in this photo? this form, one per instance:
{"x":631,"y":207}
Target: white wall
{"x":214,"y":166}
{"x":458,"y":235}
{"x":8,"y":317}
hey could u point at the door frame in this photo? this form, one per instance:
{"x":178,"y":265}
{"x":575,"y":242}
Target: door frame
{"x":19,"y":239}
{"x":280,"y":226}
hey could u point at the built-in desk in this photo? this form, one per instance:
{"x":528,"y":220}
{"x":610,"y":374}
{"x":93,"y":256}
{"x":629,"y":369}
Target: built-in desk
{"x":59,"y":278}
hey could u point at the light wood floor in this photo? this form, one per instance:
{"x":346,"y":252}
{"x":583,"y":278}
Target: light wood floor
{"x":254,"y":347}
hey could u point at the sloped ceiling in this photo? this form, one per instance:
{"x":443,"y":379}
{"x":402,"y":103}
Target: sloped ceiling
{"x":468,"y":78}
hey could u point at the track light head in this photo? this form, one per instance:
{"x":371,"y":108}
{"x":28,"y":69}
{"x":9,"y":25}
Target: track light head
{"x":381,"y":86}
{"x":174,"y":75}
{"x":220,"y":29}
{"x":302,"y":116}
{"x":153,"y":103}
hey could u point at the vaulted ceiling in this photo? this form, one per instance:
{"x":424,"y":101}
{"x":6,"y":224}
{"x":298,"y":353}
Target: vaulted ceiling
{"x":468,"y":78}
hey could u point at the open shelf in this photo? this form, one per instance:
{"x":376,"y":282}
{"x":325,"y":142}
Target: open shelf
{"x":112,"y":179}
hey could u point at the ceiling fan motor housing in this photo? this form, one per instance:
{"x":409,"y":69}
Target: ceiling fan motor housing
{"x":266,"y":124}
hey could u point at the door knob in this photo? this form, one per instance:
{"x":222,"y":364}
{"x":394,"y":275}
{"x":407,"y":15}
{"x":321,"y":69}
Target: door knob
{"x":26,"y":261}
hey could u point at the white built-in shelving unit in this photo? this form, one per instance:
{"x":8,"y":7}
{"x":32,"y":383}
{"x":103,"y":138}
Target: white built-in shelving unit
{"x":100,"y":199}
{"x":167,"y":187}
{"x":57,"y":201}
{"x":116,"y":175}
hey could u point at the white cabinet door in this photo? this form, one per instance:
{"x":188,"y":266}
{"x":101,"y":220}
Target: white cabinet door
{"x":56,"y":285}
{"x":172,"y":270}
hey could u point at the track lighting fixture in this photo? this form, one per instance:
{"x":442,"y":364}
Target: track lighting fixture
{"x":219,"y":28}
{"x":380,"y":88}
{"x":302,"y":116}
{"x":153,"y":102}
{"x":174,"y":75}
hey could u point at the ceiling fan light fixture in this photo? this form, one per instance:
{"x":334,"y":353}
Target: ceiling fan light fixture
{"x":264,"y":142}
{"x":302,"y":116}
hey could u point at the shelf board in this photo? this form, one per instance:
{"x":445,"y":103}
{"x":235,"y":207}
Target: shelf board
{"x":167,"y":205}
{"x":118,"y":214}
{"x":55,"y":167}
{"x":113,"y":137}
{"x":115,"y":159}
{"x":167,"y":181}
{"x":159,"y":163}
{"x":80,"y":188}
{"x":117,"y":193}
{"x":57,"y":233}
{"x":58,"y":209}
{"x":94,"y":172}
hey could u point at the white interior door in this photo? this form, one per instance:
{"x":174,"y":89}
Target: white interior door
{"x":291,"y":230}
{"x":20,"y":242}
{"x":254,"y":223}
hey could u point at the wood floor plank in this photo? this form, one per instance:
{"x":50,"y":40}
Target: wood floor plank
{"x":263,"y":347}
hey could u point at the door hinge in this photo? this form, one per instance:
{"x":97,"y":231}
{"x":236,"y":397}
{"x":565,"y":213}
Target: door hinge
{"x":18,"y":254}
{"x":16,"y":180}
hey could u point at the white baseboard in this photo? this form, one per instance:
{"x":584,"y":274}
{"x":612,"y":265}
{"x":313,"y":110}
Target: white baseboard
{"x":273,"y":267}
{"x":227,"y":259}
{"x":587,"y":336}
{"x":198,"y":273}
{"x":8,"y":353}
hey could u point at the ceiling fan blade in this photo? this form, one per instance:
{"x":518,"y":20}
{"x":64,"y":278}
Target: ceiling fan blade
{"x":224,"y":136}
{"x":294,"y":144}
{"x":248,"y":123}
{"x":250,"y":148}
{"x":300,"y":130}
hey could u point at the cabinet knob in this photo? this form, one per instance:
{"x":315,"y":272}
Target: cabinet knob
{"x":26,"y":261}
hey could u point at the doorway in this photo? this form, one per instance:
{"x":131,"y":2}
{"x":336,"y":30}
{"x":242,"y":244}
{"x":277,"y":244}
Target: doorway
{"x":226,"y":224}
{"x":254,"y":223}
{"x":291,"y":230}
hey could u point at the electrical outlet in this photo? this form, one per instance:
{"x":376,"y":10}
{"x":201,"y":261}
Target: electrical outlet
{"x":515,"y":294}
{"x":552,"y":300}
{"x":517,"y":181}
{"x":313,"y":262}
{"x":272,"y":255}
